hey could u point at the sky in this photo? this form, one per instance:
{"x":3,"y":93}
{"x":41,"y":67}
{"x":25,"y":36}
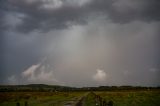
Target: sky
{"x":80,"y":42}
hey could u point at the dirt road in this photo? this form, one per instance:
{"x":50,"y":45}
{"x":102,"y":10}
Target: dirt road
{"x":80,"y":102}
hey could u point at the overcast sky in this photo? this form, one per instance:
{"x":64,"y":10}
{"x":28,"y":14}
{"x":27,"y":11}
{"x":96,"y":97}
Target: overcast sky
{"x":80,"y":42}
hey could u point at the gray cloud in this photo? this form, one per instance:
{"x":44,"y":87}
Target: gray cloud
{"x":100,"y":76}
{"x":123,"y":11}
{"x":124,"y":51}
{"x":36,"y":16}
{"x":78,"y":37}
{"x":40,"y":73}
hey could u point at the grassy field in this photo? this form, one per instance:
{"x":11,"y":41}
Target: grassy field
{"x":124,"y":98}
{"x":39,"y":98}
{"x":119,"y":98}
{"x":132,"y":98}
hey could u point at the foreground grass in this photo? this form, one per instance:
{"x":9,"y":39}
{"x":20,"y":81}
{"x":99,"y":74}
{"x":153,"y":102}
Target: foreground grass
{"x":132,"y":98}
{"x":89,"y":100}
{"x":39,"y":98}
{"x":119,"y":98}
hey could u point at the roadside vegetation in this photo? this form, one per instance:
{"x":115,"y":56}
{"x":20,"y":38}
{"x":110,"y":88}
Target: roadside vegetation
{"x":132,"y":98}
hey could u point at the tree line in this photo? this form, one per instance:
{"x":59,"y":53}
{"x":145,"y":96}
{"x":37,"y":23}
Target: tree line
{"x":56,"y":88}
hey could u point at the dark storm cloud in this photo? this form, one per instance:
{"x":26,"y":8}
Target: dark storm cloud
{"x":37,"y":17}
{"x":2,"y":43}
{"x":128,"y":10}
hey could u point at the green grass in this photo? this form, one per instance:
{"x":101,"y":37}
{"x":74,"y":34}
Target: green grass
{"x":119,"y":98}
{"x":132,"y":98}
{"x":89,"y":100}
{"x":39,"y":98}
